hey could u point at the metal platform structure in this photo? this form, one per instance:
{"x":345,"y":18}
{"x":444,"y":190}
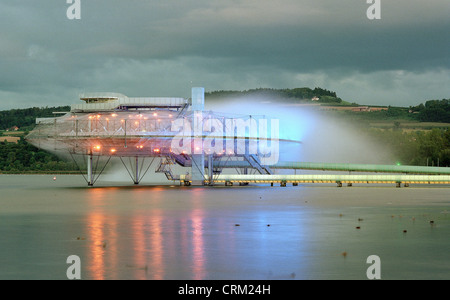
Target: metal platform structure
{"x":163,"y":133}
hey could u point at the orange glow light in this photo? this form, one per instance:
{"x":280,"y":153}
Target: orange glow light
{"x":156,"y":150}
{"x":113,"y":150}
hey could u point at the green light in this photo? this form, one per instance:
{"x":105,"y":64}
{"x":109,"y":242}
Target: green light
{"x":399,"y":164}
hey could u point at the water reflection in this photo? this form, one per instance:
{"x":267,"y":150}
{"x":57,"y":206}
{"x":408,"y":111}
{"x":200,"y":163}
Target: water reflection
{"x":96,"y":265}
{"x":148,"y":245}
{"x":198,"y":257}
{"x":149,"y":233}
{"x":162,"y":233}
{"x":143,"y":241}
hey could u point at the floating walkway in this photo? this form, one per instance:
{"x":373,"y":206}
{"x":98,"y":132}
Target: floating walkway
{"x":283,"y":180}
{"x":343,"y":167}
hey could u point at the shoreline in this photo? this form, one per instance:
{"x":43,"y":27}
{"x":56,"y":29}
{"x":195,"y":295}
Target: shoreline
{"x":41,"y":173}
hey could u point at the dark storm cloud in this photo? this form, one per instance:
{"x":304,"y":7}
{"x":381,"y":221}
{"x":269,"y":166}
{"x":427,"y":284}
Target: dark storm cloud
{"x":162,"y":47}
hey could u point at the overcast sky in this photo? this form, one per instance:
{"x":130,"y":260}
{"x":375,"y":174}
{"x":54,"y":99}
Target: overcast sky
{"x":164,"y":47}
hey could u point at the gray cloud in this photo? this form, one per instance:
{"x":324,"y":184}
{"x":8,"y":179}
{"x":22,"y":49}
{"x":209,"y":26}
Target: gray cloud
{"x":162,"y":48}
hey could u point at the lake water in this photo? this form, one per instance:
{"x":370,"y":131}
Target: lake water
{"x":122,"y":231}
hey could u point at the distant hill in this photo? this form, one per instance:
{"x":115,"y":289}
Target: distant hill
{"x":430,"y":111}
{"x":297,"y":94}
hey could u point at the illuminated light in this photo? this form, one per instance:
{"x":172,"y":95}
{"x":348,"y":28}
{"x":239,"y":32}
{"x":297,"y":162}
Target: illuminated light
{"x":156,"y":150}
{"x":170,"y":116}
{"x":90,"y":117}
{"x":197,"y":148}
{"x":113,"y":115}
{"x":155,"y":114}
{"x":122,"y":120}
{"x":141,"y":146}
{"x":136,"y":123}
{"x":113,"y":150}
{"x":184,"y":152}
{"x":107,"y":119}
{"x":98,"y":147}
{"x":98,"y":116}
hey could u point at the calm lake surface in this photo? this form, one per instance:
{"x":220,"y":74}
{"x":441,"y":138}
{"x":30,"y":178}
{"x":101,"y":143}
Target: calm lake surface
{"x":122,"y":231}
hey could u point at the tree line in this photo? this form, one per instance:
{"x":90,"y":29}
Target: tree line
{"x":24,"y":157}
{"x":295,"y":94}
{"x":433,"y":111}
{"x":416,"y":148}
{"x":25,"y":118}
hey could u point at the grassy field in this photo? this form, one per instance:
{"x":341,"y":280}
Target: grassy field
{"x":9,"y":139}
{"x":408,"y":125}
{"x":11,"y":133}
